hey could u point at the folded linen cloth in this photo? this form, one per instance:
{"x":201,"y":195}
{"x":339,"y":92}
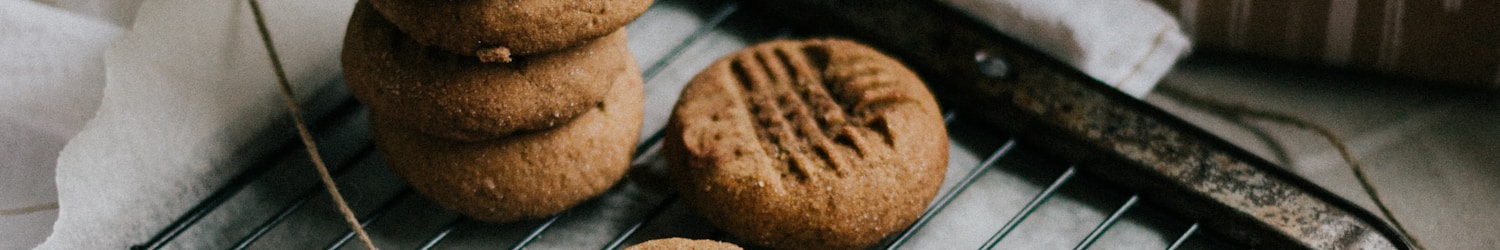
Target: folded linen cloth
{"x":1128,"y":44}
{"x":188,"y":92}
{"x":51,"y":79}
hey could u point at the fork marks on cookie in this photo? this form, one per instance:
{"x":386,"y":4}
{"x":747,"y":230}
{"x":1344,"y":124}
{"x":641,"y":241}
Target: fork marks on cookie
{"x":811,"y":117}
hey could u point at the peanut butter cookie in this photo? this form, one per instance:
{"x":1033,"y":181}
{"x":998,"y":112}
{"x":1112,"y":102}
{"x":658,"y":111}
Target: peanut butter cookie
{"x":683,"y":244}
{"x":525,"y":175}
{"x":460,"y":98}
{"x":816,"y":144}
{"x":494,"y":30}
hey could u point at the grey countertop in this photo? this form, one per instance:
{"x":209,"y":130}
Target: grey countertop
{"x":1432,"y":152}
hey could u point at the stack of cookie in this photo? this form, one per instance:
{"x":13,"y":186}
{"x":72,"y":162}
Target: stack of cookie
{"x":501,"y":110}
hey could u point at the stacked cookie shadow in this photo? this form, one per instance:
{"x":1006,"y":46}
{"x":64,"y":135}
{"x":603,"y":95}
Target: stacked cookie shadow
{"x":500,"y":110}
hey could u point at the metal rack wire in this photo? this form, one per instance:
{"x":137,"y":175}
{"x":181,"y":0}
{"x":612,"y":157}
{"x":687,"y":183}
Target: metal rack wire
{"x":701,"y":31}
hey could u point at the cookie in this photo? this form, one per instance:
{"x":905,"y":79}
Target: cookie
{"x":683,"y":244}
{"x":460,"y":98}
{"x":521,"y":176}
{"x":495,"y":30}
{"x":816,"y":144}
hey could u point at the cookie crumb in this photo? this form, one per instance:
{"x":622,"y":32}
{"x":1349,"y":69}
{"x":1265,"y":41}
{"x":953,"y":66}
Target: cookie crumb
{"x":493,"y":54}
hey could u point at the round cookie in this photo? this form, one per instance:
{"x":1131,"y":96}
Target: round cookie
{"x":683,"y":244}
{"x":817,"y":144}
{"x":494,"y":30}
{"x":521,"y":176}
{"x":460,"y":98}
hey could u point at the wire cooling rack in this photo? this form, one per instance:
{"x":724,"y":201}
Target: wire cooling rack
{"x":998,"y":193}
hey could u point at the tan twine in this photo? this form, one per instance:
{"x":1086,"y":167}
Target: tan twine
{"x":1238,"y":110}
{"x":307,"y":139}
{"x":29,"y":209}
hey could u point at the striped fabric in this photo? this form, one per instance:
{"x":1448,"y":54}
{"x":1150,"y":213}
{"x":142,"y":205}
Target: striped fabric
{"x":1447,"y":41}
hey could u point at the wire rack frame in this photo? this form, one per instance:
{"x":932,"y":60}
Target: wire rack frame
{"x":718,"y":16}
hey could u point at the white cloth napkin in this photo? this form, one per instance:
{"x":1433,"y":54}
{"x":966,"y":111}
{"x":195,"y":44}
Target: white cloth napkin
{"x":1128,"y":44}
{"x":189,"y":87}
{"x":51,"y":79}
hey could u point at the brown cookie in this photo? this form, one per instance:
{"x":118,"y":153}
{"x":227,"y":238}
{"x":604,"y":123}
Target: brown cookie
{"x":459,"y":97}
{"x":494,"y":30}
{"x":683,"y":244}
{"x":526,"y":175}
{"x":816,"y":144}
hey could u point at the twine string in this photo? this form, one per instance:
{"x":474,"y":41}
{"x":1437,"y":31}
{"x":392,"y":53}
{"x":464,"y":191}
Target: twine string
{"x":302,"y":131}
{"x":28,"y":209}
{"x":1239,"y":110}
